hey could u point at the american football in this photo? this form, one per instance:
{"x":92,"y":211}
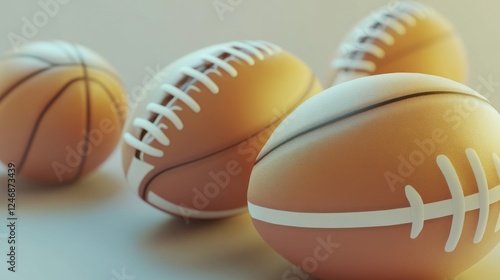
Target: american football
{"x":190,"y":144}
{"x":387,"y":177}
{"x":402,"y":36}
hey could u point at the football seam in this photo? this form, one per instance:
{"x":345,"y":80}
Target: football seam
{"x":347,"y":115}
{"x":415,"y":215}
{"x":256,"y":48}
{"x":303,"y":97}
{"x":389,"y":59}
{"x":358,"y":54}
{"x":182,"y":210}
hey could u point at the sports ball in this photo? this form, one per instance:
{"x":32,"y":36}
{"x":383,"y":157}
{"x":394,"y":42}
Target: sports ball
{"x":401,"y":37}
{"x":393,"y":176}
{"x":191,"y":142}
{"x":62,"y":109}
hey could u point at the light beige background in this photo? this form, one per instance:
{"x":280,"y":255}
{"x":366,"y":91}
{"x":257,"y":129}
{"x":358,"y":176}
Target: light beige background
{"x":96,"y":228}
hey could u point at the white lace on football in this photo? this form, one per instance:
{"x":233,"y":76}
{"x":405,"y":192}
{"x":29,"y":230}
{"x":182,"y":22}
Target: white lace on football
{"x":375,"y":27}
{"x":245,"y":51}
{"x":416,"y":214}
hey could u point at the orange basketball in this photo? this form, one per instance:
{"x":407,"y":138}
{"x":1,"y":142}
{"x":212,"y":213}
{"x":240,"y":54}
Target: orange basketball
{"x":62,"y":107}
{"x":402,"y":36}
{"x":393,"y":176}
{"x":190,"y":144}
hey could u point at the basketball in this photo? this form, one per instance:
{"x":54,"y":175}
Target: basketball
{"x":191,"y":142}
{"x":392,"y":176}
{"x":62,"y":109}
{"x":402,"y":36}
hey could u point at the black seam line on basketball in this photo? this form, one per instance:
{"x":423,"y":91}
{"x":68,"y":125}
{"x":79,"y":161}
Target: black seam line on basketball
{"x":24,"y":55}
{"x":362,"y":110}
{"x":34,"y":74}
{"x":18,"y":83}
{"x":113,"y":100}
{"x":97,"y":68}
{"x":40,"y":118}
{"x":87,"y":112}
{"x":279,"y":120}
{"x":432,"y":40}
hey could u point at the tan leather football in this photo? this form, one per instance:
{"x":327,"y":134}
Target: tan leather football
{"x":62,"y":109}
{"x":191,"y":142}
{"x":402,"y":36}
{"x":393,"y":176}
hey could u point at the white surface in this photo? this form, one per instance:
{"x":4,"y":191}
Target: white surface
{"x":97,"y":227}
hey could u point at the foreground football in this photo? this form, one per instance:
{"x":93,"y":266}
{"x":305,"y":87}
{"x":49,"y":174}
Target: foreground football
{"x":191,"y":142}
{"x":401,"y":37}
{"x":394,"y":176}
